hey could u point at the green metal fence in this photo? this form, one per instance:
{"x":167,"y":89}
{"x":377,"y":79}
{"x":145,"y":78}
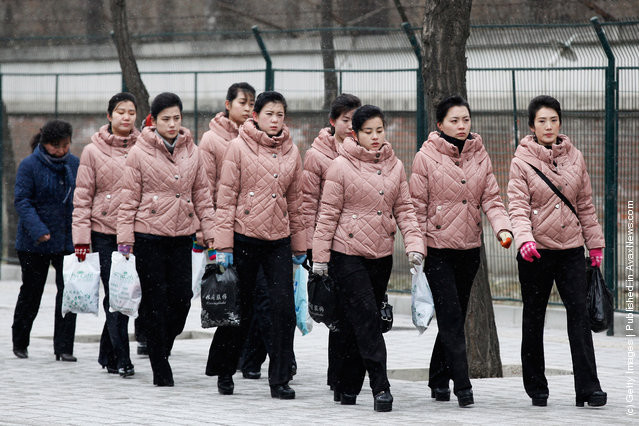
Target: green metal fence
{"x":381,"y":66}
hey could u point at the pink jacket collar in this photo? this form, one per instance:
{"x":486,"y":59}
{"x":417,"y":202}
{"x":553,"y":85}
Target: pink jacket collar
{"x":536,"y":154}
{"x":223,"y":126}
{"x":255,"y":138}
{"x":357,"y":153}
{"x":106,"y":141}
{"x":326,"y":143}
{"x":153,"y":144}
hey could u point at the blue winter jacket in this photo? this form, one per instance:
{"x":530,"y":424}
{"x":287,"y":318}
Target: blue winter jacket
{"x":44,"y":201}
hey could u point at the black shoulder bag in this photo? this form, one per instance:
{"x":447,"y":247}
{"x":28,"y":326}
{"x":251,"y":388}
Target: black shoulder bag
{"x":554,"y":189}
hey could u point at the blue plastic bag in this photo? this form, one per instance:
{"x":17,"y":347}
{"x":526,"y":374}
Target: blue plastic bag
{"x":303,"y":319}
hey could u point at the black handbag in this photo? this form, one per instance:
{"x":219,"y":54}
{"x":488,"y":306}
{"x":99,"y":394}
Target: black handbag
{"x":386,"y":313}
{"x":322,"y":299}
{"x":599,"y":299}
{"x":220,"y":297}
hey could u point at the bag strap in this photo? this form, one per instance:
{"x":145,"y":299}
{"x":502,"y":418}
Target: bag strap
{"x":554,"y":189}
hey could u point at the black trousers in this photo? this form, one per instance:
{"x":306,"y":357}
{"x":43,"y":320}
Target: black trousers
{"x":450,"y":274}
{"x":567,"y":269}
{"x":275,"y":258}
{"x":114,"y":342}
{"x":35,"y":267}
{"x":164,"y":268}
{"x":361,"y":287}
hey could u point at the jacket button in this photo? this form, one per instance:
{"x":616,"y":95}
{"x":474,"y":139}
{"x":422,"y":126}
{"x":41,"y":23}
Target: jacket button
{"x":457,"y":163}
{"x":176,"y":177}
{"x":275,"y":175}
{"x":108,"y":196}
{"x":274,"y":155}
{"x":439,"y":207}
{"x":126,"y":155}
{"x":104,"y":213}
{"x":392,"y":234}
{"x":478,"y":223}
{"x":563,"y":226}
{"x":285,"y":213}
{"x":190,"y":214}
{"x":464,"y":201}
{"x":153,"y":211}
{"x":124,"y":145}
{"x":379,"y":212}
{"x":177,"y":195}
{"x":251,"y":193}
{"x":350,"y":235}
{"x":273,"y":195}
{"x":379,"y":172}
{"x":155,"y":198}
{"x":381,"y":192}
{"x":376,"y":160}
{"x":377,"y":155}
{"x":354,"y":216}
{"x":535,"y":212}
{"x":463,"y":181}
{"x":556,"y":206}
{"x":438,"y":227}
{"x":246,"y":211}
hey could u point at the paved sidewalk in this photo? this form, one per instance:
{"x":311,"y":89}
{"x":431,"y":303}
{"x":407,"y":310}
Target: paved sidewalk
{"x":40,"y":390}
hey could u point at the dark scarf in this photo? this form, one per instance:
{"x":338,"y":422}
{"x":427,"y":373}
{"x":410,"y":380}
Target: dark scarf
{"x":59,"y":165}
{"x":457,"y":142}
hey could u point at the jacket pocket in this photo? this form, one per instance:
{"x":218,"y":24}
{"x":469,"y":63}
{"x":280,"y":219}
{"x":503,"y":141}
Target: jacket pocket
{"x":244,"y":208}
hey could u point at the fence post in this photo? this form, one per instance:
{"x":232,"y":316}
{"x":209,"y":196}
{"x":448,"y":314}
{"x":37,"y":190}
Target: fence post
{"x":269,"y":84}
{"x":195,"y":111}
{"x":1,"y":172}
{"x":611,"y":164}
{"x":515,"y":109}
{"x":57,"y":80}
{"x":421,"y":105}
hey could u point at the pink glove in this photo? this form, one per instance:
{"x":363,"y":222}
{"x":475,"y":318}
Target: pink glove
{"x":529,"y":251}
{"x":596,"y":256}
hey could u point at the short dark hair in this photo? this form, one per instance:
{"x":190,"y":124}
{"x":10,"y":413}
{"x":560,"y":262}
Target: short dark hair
{"x":539,"y":102}
{"x":365,"y":113}
{"x":266,"y":97}
{"x":52,"y":133}
{"x":121,"y":97}
{"x":448,"y":103}
{"x":343,"y":103}
{"x":163,"y":101}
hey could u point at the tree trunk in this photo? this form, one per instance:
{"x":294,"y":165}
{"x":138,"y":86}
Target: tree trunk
{"x":8,"y":184}
{"x":130,"y":72}
{"x":328,"y":55}
{"x":445,"y":31}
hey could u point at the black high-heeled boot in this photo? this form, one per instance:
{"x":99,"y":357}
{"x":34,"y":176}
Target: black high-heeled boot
{"x":465,"y":397}
{"x":348,"y":398}
{"x":540,"y":399}
{"x":595,"y":399}
{"x":282,"y":392}
{"x":383,"y":401}
{"x":162,"y":373}
{"x":65,"y":357}
{"x":440,"y":394}
{"x":225,"y":385}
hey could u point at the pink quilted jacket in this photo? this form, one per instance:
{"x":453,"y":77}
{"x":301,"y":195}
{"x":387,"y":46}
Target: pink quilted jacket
{"x":260,"y":190}
{"x":449,"y":190}
{"x":99,"y":183}
{"x":213,"y":146}
{"x":365,"y":198}
{"x":316,"y":163}
{"x":164,"y":194}
{"x":536,"y":212}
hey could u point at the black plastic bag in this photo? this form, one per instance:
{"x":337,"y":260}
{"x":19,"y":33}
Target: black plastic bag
{"x":220,"y":297}
{"x":322,"y":299}
{"x":599,"y":299}
{"x":386,"y":313}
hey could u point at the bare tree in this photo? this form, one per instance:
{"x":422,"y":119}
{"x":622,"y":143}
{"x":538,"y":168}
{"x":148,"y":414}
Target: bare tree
{"x":328,"y":54}
{"x":130,"y":72}
{"x":445,"y":31}
{"x":9,"y":213}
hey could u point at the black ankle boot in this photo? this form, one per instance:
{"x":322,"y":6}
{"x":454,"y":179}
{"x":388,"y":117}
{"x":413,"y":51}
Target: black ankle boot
{"x":540,"y":399}
{"x":21,"y":353}
{"x":162,"y":373}
{"x":225,"y":385}
{"x":348,"y":398}
{"x":282,"y":391}
{"x":465,"y":397}
{"x":383,"y":401}
{"x":336,"y":395}
{"x":595,"y":399}
{"x":127,"y":370}
{"x":440,"y":394}
{"x":65,"y":357}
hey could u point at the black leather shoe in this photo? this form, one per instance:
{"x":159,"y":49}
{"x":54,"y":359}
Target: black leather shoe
{"x":465,"y":397}
{"x":540,"y":399}
{"x":126,"y":371}
{"x":383,"y":401}
{"x":251,"y":374}
{"x":347,"y":398}
{"x":440,"y":394}
{"x":162,"y":372}
{"x":595,"y":399}
{"x":282,"y":392}
{"x":110,"y":369}
{"x":65,"y":357}
{"x":142,"y":349}
{"x":21,"y":353}
{"x":225,"y":384}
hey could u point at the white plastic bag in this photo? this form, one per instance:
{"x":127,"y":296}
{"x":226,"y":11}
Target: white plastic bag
{"x":81,"y":293}
{"x":125,"y":292}
{"x":422,"y":304}
{"x":198,"y":264}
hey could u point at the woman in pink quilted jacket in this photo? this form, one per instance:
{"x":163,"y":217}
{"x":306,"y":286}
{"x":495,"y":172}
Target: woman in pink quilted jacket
{"x":259,"y":224}
{"x":316,"y":163}
{"x":165,"y":192}
{"x":96,"y":201}
{"x":365,"y":198}
{"x":452,"y":181}
{"x":550,"y":236}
